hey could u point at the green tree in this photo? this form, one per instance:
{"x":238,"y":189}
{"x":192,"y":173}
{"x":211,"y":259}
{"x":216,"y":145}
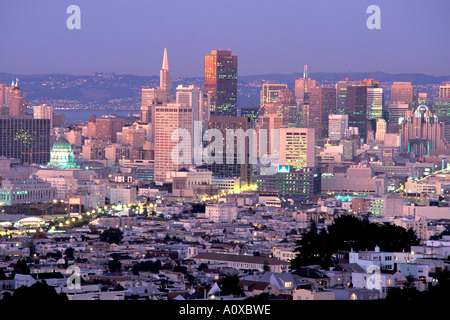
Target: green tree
{"x":40,"y":291}
{"x":229,"y":285}
{"x":114,"y":265}
{"x":69,"y":252}
{"x":347,"y":233}
{"x":20,"y":268}
{"x":111,"y":235}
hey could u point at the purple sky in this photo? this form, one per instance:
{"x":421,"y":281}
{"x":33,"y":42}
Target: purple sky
{"x":268,"y":36}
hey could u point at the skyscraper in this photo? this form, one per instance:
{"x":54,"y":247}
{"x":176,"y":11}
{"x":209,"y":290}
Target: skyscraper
{"x":337,"y":124}
{"x":396,"y":115}
{"x":341,"y":95}
{"x":199,"y":102}
{"x":297,"y":147}
{"x":402,"y":92}
{"x":17,"y":103}
{"x":269,"y":93}
{"x":357,"y":108}
{"x":221,"y":82}
{"x":152,"y":97}
{"x":381,"y":130}
{"x":25,"y":138}
{"x":43,"y":112}
{"x":168,"y":119}
{"x":322,"y":102}
{"x":423,"y":134}
{"x":375,"y":102}
{"x":230,"y":168}
{"x":444,"y":90}
{"x":303,"y":86}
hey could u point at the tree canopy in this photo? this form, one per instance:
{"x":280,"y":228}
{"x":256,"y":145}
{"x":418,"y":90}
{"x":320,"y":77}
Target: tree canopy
{"x":111,"y":235}
{"x":350,"y":233}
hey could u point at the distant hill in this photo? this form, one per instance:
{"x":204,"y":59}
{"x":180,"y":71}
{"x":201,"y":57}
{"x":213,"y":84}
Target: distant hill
{"x":125,"y":89}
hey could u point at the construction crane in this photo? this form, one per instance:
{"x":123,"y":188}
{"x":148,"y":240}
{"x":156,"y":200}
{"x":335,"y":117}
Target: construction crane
{"x":31,"y":154}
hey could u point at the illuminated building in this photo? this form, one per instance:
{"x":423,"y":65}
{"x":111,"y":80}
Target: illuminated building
{"x":322,"y":102}
{"x":25,"y":138}
{"x":337,"y":123}
{"x":17,"y":104}
{"x":230,"y":168}
{"x":356,"y":102}
{"x":168,"y":119}
{"x":402,"y":92}
{"x":396,"y":114}
{"x":25,"y":191}
{"x":269,"y":93}
{"x":444,"y":90}
{"x":341,"y":95}
{"x":61,"y":155}
{"x":221,"y":82}
{"x":423,"y":134}
{"x":303,"y":86}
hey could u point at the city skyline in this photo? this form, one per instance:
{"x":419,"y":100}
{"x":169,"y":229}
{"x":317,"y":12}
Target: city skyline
{"x":133,"y":45}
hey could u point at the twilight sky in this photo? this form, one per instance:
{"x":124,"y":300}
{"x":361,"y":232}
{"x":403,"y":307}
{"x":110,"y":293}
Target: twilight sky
{"x":268,"y":36}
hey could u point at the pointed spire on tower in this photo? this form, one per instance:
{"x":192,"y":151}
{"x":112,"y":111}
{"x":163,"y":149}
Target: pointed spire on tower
{"x":165,"y":64}
{"x":305,"y":71}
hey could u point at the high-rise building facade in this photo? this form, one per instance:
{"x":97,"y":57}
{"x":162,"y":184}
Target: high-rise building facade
{"x":43,"y":112}
{"x":168,"y":119}
{"x":152,"y":97}
{"x":25,"y":138}
{"x":199,"y":102}
{"x":297,"y":147}
{"x":341,"y":95}
{"x":322,"y":102}
{"x":402,"y":92}
{"x":356,"y":102}
{"x":423,"y":134}
{"x":303,"y":86}
{"x":17,"y":103}
{"x":444,"y":90}
{"x":221,"y":82}
{"x":231,"y":167}
{"x":396,"y":115}
{"x":375,"y":101}
{"x":337,"y":124}
{"x":269,"y":93}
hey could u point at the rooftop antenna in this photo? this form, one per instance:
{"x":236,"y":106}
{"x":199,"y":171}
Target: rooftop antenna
{"x":305,"y":71}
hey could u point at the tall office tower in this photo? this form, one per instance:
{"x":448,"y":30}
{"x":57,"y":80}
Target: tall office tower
{"x":221,"y":82}
{"x":337,"y":124}
{"x":288,"y":108}
{"x":396,"y":115}
{"x":25,"y":138}
{"x":298,"y":177}
{"x":322,"y":102}
{"x":402,"y":92}
{"x":164,"y":76}
{"x":297,"y":147}
{"x":269,"y":93}
{"x":17,"y":104}
{"x":271,"y":121}
{"x":422,"y":98}
{"x":444,"y":90}
{"x":303,"y":86}
{"x":423,"y":134}
{"x":357,"y":108}
{"x":105,"y":129}
{"x":43,"y":112}
{"x":199,"y":102}
{"x":152,"y":97}
{"x":168,"y":119}
{"x":231,"y":168}
{"x":441,"y":107}
{"x":341,"y":95}
{"x":381,"y":130}
{"x":375,"y":101}
{"x":3,"y":94}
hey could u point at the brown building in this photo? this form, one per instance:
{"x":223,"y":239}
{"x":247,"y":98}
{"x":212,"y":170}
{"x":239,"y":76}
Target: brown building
{"x":231,"y":168}
{"x":322,"y":102}
{"x":221,"y":82}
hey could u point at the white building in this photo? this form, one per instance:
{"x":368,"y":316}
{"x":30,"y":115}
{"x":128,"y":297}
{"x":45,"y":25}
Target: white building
{"x":337,"y":124}
{"x":21,"y":191}
{"x":221,"y":212}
